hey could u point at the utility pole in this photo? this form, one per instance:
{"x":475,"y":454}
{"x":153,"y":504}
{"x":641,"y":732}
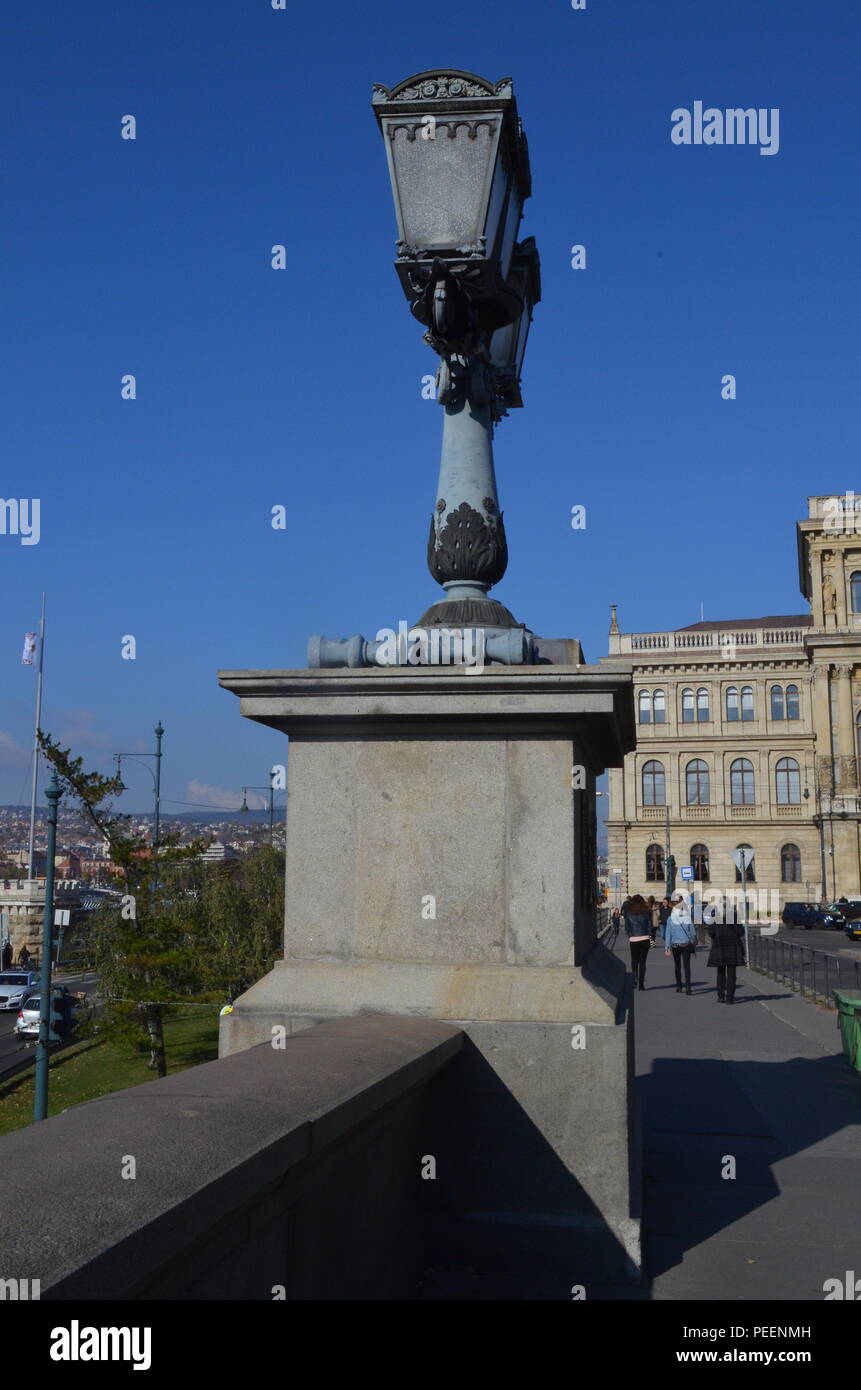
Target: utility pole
{"x":40,"y":1107}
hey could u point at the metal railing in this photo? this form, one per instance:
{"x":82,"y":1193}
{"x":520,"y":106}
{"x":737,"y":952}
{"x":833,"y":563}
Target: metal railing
{"x":813,"y":973}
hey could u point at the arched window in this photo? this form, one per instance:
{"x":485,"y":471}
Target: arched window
{"x":777,"y":708}
{"x":741,"y":782}
{"x":788,"y":783}
{"x":855,"y":586}
{"x":700,"y":863}
{"x":733,"y":711}
{"x":659,"y":707}
{"x":790,"y":864}
{"x":654,"y":788}
{"x":697,"y":783}
{"x":792,"y":702}
{"x":687,"y":707}
{"x":703,"y":715}
{"x":645,"y":703}
{"x":655,"y":864}
{"x":750,"y":873}
{"x":747,"y":702}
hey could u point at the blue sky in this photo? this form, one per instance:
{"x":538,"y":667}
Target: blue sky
{"x":302,"y":387}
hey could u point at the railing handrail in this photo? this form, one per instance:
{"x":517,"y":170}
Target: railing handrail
{"x":765,"y":950}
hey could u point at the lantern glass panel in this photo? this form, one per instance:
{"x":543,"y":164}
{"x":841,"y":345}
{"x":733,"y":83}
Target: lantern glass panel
{"x":441,"y":185}
{"x":496,"y":206}
{"x":509,"y":235}
{"x":522,"y":334}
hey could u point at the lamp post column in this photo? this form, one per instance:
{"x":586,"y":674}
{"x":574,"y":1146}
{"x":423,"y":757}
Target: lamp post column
{"x":40,"y":1107}
{"x":159,"y":734}
{"x":467,"y":550}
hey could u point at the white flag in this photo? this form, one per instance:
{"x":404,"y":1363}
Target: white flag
{"x":29,"y":656}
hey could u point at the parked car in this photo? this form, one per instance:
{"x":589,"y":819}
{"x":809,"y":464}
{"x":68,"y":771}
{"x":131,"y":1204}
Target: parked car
{"x":809,"y":915}
{"x":850,"y":910}
{"x":853,"y":929}
{"x":71,"y":1007}
{"x":14,"y":985}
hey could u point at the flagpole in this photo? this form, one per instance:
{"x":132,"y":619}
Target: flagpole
{"x":36,"y":738}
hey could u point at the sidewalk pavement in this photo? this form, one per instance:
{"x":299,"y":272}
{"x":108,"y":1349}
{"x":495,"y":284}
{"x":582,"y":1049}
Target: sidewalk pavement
{"x":763,"y":1087}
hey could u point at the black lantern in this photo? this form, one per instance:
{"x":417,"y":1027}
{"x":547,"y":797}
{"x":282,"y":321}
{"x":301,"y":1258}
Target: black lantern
{"x":459,"y":169}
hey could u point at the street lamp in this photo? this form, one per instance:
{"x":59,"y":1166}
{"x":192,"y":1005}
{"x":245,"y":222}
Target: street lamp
{"x":459,"y":170}
{"x":156,"y":776}
{"x":819,"y":822}
{"x":245,"y":810}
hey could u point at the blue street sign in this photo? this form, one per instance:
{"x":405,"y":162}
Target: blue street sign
{"x":686,"y":871}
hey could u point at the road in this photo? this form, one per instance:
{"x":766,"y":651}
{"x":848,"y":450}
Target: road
{"x":11,"y":1050}
{"x":820,"y":940}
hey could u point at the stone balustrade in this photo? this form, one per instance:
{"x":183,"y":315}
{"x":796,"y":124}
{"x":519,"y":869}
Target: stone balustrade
{"x":279,"y":1172}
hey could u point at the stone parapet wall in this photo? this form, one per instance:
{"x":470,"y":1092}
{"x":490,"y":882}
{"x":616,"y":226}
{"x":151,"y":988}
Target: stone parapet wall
{"x":294,"y":1168}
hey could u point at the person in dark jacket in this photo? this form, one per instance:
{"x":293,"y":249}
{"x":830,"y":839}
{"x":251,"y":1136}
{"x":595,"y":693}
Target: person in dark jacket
{"x":638,"y":928}
{"x":727,"y":952}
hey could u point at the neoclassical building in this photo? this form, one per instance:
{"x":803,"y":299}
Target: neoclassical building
{"x":748,"y":735}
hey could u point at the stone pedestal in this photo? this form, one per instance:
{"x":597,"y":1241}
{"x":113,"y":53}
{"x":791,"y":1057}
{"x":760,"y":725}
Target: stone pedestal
{"x":441,"y":863}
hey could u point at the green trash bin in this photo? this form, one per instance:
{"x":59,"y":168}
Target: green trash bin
{"x":849,"y":1022}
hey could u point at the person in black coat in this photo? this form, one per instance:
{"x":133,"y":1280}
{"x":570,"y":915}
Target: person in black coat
{"x":727,"y":952}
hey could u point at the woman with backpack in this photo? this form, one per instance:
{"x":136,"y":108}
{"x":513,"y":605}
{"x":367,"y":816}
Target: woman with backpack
{"x":680,"y":939}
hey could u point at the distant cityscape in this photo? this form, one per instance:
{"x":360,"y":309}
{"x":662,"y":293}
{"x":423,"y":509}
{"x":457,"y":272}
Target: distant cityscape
{"x":83,"y":854}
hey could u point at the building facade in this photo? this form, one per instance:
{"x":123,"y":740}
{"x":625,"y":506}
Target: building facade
{"x":748,"y":735}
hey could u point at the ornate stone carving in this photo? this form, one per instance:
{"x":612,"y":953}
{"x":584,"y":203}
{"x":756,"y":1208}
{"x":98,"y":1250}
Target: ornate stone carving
{"x":467,"y":545}
{"x":824,"y":769}
{"x":415,"y":128}
{"x":441,"y":86}
{"x":829,"y":594}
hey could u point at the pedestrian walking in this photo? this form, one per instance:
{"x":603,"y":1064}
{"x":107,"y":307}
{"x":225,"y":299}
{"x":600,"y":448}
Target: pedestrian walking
{"x":24,"y":957}
{"x":727,"y":953}
{"x":638,"y":928}
{"x":655,"y":913}
{"x":680,"y":940}
{"x":664,"y":909}
{"x":7,"y":956}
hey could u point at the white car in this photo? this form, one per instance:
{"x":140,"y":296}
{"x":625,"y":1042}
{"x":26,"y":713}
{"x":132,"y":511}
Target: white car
{"x":71,"y":1007}
{"x":14,"y":984}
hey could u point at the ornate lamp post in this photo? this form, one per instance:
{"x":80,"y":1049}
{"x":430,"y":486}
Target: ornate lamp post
{"x":156,"y":778}
{"x":459,"y":169}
